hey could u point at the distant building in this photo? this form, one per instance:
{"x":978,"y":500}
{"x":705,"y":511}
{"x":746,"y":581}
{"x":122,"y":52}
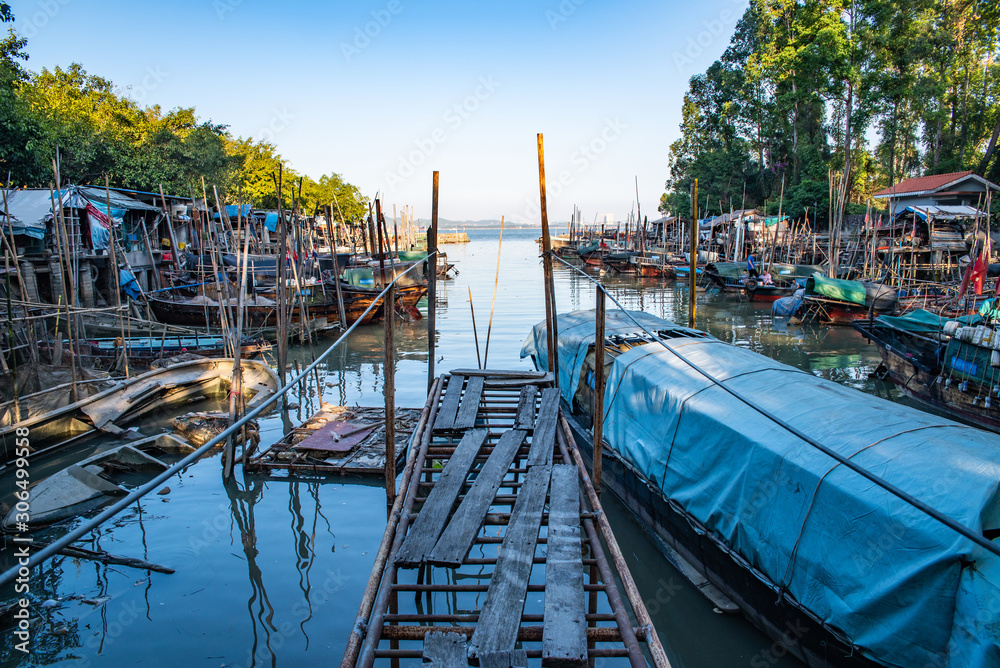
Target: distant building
{"x":941,"y":190}
{"x":608,"y":219}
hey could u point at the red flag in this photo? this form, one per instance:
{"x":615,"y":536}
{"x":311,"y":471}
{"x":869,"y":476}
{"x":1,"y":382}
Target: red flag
{"x":978,"y":276}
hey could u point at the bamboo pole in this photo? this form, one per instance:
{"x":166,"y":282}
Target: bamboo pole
{"x":113,"y":268}
{"x":598,"y":413}
{"x":693,"y":278}
{"x":390,"y":398}
{"x":432,"y":280}
{"x":282,"y":342}
{"x":496,"y":282}
{"x":336,"y":267}
{"x":550,"y":299}
{"x":63,"y":265}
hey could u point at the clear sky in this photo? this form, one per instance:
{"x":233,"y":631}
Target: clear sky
{"x":386,"y":91}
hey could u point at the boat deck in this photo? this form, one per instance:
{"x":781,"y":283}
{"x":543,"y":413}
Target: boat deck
{"x":348,"y":440}
{"x":497,"y":552}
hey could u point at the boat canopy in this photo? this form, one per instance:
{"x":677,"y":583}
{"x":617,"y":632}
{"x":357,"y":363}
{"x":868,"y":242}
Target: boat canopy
{"x":921,"y":321}
{"x":862,"y":293}
{"x":903,"y":588}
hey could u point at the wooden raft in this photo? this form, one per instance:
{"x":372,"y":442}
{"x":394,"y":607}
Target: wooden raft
{"x":349,"y":440}
{"x":493,"y":559}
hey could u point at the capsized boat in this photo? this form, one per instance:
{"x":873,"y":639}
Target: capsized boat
{"x":836,"y":568}
{"x":115,"y":408}
{"x":952,"y":365}
{"x":96,"y":480}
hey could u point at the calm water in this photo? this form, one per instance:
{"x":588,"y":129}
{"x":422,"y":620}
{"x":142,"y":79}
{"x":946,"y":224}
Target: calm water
{"x":271,"y":572}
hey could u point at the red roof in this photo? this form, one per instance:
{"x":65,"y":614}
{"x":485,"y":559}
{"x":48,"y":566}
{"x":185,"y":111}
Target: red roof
{"x":922,"y":184}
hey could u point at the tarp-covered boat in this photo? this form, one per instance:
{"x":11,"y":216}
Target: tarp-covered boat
{"x":841,"y":571}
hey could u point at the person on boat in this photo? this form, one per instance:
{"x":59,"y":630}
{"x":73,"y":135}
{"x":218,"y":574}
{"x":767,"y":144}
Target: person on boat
{"x":990,"y":310}
{"x":752,"y":266}
{"x":766,"y":278}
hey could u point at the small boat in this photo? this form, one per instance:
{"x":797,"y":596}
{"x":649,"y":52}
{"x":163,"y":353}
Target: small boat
{"x":98,"y":479}
{"x":143,"y":351}
{"x":834,"y":301}
{"x":113,"y":409}
{"x":652,"y":266}
{"x":620,"y":262}
{"x":950,"y":365}
{"x":763,"y":520}
{"x":757,"y":291}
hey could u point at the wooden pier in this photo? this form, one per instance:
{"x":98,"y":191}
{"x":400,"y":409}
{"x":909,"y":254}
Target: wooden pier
{"x":497,"y":552}
{"x":348,"y":440}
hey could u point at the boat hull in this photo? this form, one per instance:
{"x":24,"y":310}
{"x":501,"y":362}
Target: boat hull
{"x":777,"y":615}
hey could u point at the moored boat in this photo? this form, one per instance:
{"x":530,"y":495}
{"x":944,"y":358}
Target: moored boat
{"x":96,"y":480}
{"x":115,"y":408}
{"x":950,"y":365}
{"x":829,"y":562}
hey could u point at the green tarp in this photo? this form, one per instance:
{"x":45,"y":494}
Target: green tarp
{"x":921,"y":321}
{"x":835,"y":288}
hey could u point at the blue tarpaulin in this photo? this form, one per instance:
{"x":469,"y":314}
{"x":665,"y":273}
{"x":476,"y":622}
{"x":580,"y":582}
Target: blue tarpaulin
{"x":233,"y":211}
{"x":271,"y":221}
{"x":129,"y":284}
{"x":905,"y":589}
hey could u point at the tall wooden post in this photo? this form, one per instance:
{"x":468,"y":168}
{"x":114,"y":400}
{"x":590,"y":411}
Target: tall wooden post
{"x":432,"y":245}
{"x":598,"y":389}
{"x":693,"y":281}
{"x":550,"y":298}
{"x":389,"y":369}
{"x":282,"y":337}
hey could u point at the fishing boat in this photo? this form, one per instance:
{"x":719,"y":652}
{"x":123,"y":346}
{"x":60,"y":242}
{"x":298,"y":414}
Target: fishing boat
{"x":653,"y":266}
{"x":98,"y":479}
{"x":113,"y":409}
{"x":750,"y":473}
{"x":835,"y":301}
{"x":143,"y":351}
{"x":952,"y":365}
{"x":620,"y":262}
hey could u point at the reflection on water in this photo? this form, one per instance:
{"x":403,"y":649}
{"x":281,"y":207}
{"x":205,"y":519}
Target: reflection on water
{"x":271,"y":572}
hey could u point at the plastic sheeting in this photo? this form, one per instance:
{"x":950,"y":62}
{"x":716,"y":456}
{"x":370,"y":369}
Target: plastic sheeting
{"x":862,"y":293}
{"x":903,"y":587}
{"x":922,"y":321}
{"x":576,"y":334}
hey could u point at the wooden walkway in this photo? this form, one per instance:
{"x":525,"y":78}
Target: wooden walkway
{"x":349,"y":440}
{"x":497,"y":551}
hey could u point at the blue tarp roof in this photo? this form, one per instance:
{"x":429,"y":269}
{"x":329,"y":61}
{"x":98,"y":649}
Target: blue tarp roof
{"x":233,"y":211}
{"x":271,"y":221}
{"x":901,"y":586}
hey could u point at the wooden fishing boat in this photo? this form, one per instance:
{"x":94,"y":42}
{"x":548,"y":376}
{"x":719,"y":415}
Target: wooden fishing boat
{"x":143,"y":351}
{"x":98,"y":479}
{"x":756,"y":291}
{"x":620,"y":262}
{"x":814,"y":553}
{"x":833,"y":301}
{"x":950,"y":365}
{"x":653,"y":267}
{"x":115,"y":408}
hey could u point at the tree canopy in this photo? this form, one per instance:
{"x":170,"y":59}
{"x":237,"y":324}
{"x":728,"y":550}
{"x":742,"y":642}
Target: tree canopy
{"x":99,"y":131}
{"x":807,"y":91}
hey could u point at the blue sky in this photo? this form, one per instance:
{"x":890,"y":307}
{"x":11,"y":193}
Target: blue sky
{"x":386,"y":91}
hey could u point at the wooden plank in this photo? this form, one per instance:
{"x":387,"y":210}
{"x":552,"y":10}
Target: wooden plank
{"x":526,"y":408}
{"x":499,"y":373}
{"x":564,"y":634}
{"x":449,"y":405}
{"x":500,"y":618}
{"x":445,"y":650}
{"x":466,"y":418}
{"x":430,"y":521}
{"x":543,"y":440}
{"x":515,"y":658}
{"x":457,"y":537}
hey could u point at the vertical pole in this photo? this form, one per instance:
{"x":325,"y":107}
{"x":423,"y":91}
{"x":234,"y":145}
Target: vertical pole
{"x":693,"y":279}
{"x":598,"y":389}
{"x":282,"y":337}
{"x":432,"y":232}
{"x":550,"y":299}
{"x":390,"y":397}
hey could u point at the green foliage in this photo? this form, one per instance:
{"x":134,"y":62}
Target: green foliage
{"x":804,"y":85}
{"x":98,"y":131}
